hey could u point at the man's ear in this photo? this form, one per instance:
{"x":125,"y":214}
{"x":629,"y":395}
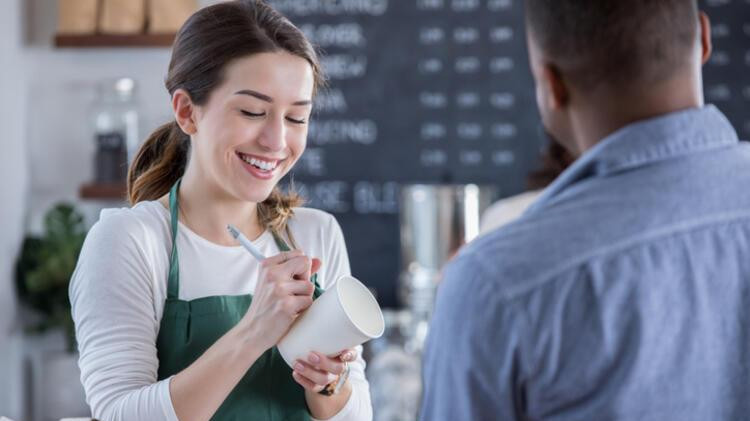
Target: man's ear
{"x":557,"y":94}
{"x":705,"y":28}
{"x":184,"y":111}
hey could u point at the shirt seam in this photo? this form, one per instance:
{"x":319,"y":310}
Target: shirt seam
{"x":684,"y":147}
{"x":539,"y":282}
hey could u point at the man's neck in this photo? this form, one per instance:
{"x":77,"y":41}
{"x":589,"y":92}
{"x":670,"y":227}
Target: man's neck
{"x":605,"y":112}
{"x":207,"y":209}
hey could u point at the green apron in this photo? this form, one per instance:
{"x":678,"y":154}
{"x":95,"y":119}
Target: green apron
{"x":189,"y":328}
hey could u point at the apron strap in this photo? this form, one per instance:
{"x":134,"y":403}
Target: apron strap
{"x":280,"y":241}
{"x":173,"y":281}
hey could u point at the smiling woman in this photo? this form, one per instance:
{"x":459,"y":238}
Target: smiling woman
{"x":236,"y":112}
{"x":173,"y":320}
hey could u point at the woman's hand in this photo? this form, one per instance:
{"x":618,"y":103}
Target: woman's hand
{"x":284,"y":291}
{"x":319,"y":370}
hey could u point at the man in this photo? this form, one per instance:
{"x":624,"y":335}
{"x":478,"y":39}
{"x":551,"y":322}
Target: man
{"x":623,"y":293}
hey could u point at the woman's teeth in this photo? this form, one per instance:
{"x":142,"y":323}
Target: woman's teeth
{"x":262,"y":165}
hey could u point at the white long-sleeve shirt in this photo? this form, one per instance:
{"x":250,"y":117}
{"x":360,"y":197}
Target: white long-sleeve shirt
{"x":120,"y":284}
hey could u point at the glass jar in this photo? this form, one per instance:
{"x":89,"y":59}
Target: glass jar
{"x":394,"y":369}
{"x":115,"y":130}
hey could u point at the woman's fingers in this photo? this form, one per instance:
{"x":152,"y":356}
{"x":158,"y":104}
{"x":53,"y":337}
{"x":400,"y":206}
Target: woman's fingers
{"x":306,"y":383}
{"x":320,"y":370}
{"x":296,"y":304}
{"x":316,"y":263}
{"x":315,"y":375}
{"x":297,"y":267}
{"x":321,"y":362}
{"x":291,"y":265}
{"x":348,"y":355}
{"x":281,"y":258}
{"x":295,"y":287}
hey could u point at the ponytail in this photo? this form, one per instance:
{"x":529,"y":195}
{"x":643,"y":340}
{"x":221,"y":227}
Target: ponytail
{"x":159,"y":163}
{"x":275,"y":211}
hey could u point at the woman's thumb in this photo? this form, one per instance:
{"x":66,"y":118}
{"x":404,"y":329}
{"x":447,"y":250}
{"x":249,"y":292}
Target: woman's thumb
{"x":316,"y":263}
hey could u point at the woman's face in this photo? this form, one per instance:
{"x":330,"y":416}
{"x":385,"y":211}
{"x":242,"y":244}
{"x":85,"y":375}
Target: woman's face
{"x":253,"y":127}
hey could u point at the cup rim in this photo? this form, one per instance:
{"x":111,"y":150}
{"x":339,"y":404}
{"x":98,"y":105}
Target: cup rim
{"x":368,"y":294}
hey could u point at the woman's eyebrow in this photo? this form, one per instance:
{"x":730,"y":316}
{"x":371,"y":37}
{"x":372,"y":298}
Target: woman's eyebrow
{"x":266,"y":98}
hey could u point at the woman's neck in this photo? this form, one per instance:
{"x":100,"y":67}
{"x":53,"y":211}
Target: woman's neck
{"x":207,"y":210}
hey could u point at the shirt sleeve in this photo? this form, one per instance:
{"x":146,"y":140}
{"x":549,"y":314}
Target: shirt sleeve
{"x":359,"y":406}
{"x":470,"y":360}
{"x":336,"y":262}
{"x":112,"y":301}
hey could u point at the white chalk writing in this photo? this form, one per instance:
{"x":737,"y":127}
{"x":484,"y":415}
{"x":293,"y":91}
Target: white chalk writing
{"x":323,"y":132}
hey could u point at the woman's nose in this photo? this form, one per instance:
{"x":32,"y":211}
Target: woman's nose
{"x":273,"y":136}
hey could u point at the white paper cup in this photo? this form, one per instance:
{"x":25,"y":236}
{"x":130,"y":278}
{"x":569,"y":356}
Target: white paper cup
{"x":344,"y":316}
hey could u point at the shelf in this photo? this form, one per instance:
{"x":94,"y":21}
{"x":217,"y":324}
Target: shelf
{"x":103,"y":191}
{"x":103,"y":41}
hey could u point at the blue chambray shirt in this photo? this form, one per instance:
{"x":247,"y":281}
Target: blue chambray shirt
{"x":623,"y":293}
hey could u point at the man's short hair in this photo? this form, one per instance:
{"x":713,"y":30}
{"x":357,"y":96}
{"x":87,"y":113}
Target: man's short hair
{"x":617,"y":41}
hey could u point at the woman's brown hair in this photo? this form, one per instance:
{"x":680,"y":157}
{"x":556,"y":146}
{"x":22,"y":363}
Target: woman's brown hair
{"x":208,"y":41}
{"x":555,"y":160}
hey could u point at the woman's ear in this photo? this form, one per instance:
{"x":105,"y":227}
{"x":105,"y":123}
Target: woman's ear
{"x":184,"y":111}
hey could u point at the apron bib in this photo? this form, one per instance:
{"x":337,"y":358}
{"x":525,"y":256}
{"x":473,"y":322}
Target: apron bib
{"x":188,"y":328}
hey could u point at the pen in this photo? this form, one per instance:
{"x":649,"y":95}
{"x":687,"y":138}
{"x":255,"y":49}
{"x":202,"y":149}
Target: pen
{"x":245,"y":242}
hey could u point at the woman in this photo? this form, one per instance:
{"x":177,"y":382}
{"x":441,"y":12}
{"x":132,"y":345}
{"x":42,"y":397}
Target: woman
{"x":174,"y":320}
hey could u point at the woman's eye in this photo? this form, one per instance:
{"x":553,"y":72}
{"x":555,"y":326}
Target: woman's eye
{"x":296,"y":121}
{"x":251,"y":114}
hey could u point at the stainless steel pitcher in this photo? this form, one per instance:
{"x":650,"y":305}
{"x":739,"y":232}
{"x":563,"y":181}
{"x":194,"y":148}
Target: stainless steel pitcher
{"x":436,"y":220}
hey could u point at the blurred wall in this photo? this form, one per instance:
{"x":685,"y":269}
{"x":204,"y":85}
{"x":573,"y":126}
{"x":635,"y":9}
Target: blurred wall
{"x":61,"y":89}
{"x":14,"y":188}
{"x":47,"y":148}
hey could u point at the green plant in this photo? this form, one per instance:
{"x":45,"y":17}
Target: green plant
{"x":45,"y":266}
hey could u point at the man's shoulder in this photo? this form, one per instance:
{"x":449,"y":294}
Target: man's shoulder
{"x":602,"y":217}
{"x":520,"y":256}
{"x":551,"y":242}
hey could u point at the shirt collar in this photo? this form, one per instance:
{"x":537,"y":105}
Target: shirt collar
{"x":646,"y":142}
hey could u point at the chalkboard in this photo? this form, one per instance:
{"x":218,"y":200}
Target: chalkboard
{"x":439,"y":91}
{"x":726,"y":77}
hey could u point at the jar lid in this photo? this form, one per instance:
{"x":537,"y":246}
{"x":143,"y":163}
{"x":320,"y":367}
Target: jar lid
{"x":120,"y":89}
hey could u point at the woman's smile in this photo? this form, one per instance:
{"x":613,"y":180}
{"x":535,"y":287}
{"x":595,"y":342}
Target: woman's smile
{"x":260,"y":167}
